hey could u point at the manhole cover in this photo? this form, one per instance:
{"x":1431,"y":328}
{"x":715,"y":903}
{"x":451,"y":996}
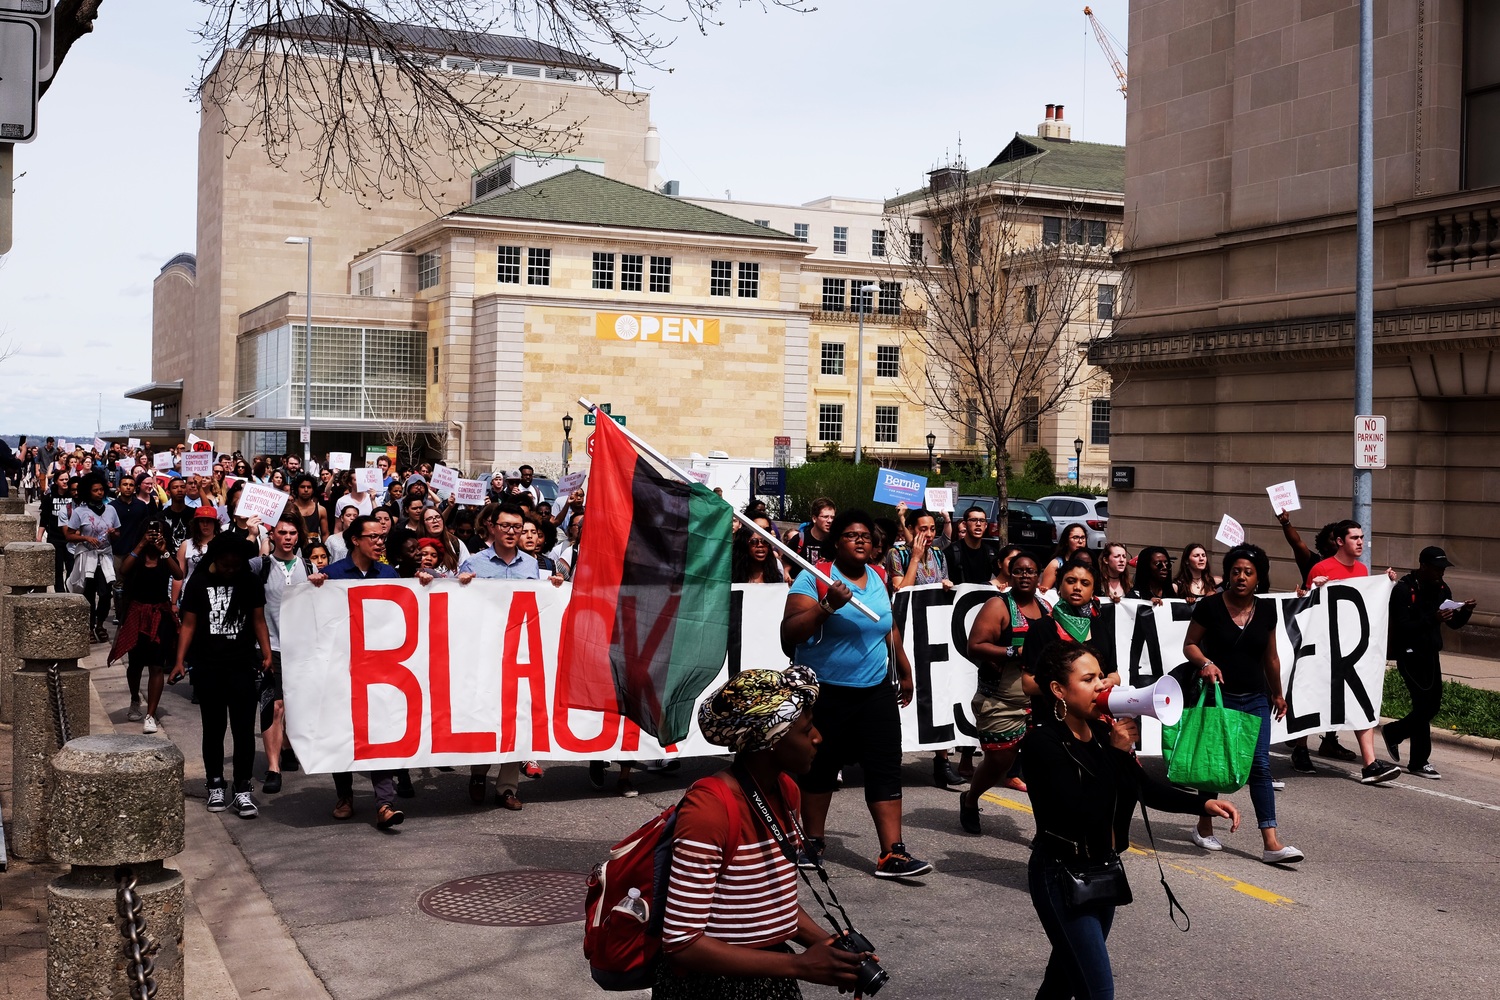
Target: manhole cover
{"x":508,"y":899}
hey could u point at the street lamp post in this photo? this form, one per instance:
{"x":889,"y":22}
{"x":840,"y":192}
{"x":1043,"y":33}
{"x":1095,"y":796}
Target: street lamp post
{"x":306,"y":360}
{"x":931,"y":441}
{"x":567,"y":449}
{"x":859,"y":374}
{"x":1078,"y":458}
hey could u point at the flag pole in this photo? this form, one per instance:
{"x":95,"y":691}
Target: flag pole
{"x":768,"y":536}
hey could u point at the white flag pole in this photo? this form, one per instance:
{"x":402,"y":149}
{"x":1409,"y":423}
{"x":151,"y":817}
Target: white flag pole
{"x":769,"y":536}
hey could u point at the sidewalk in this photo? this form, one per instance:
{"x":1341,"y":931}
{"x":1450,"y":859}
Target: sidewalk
{"x":1475,"y":671}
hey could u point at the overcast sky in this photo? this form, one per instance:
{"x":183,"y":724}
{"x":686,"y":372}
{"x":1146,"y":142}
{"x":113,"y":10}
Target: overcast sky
{"x":858,"y":98}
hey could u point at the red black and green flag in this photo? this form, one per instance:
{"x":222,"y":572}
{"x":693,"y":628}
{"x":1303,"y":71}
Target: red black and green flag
{"x":647,"y":626}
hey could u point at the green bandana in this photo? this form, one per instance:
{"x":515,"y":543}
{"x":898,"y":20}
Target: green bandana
{"x":1075,"y":625}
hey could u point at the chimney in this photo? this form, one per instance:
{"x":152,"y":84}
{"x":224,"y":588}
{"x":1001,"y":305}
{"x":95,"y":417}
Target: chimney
{"x":1053,"y":127}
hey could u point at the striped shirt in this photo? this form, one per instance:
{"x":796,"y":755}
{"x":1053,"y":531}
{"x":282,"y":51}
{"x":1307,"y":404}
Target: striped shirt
{"x":751,"y":901}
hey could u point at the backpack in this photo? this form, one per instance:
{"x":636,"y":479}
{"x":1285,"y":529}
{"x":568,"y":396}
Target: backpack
{"x":623,"y":952}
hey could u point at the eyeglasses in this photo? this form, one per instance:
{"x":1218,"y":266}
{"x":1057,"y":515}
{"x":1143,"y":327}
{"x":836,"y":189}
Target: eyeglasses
{"x":1023,"y":572}
{"x":375,"y":537}
{"x":977,"y":520}
{"x":856,"y":536}
{"x":508,"y":528}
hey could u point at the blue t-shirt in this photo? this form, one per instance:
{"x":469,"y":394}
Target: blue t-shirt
{"x":849,"y":650}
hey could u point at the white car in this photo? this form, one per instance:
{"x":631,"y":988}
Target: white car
{"x":1090,"y":511}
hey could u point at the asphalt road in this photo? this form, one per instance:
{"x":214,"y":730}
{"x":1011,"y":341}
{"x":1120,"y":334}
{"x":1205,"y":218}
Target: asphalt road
{"x":1397,"y":897}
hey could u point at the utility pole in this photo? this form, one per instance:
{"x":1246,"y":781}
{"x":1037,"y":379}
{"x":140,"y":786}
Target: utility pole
{"x":1364,"y":295}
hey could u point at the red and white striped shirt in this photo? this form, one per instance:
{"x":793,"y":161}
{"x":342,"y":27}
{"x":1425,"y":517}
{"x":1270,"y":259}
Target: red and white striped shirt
{"x":751,"y":901}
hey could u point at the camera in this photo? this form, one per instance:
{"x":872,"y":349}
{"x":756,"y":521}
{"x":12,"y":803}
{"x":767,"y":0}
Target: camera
{"x":871,"y":976}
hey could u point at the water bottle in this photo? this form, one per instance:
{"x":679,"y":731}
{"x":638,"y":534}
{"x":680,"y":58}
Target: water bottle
{"x":633,"y":906}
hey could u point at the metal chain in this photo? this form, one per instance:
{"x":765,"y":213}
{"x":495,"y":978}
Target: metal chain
{"x":59,"y":706}
{"x":140,"y":950}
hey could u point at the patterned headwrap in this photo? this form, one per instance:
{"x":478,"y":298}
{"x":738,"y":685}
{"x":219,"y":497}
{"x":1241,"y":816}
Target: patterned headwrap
{"x":756,"y":707}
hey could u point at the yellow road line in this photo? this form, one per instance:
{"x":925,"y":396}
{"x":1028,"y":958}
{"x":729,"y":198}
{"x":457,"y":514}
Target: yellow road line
{"x":1238,"y":885}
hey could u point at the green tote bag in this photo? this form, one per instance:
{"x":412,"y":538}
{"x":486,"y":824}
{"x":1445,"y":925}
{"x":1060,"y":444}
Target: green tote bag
{"x":1212,"y":747}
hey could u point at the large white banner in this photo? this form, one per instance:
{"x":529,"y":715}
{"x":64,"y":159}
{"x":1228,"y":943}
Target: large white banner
{"x":394,"y":674}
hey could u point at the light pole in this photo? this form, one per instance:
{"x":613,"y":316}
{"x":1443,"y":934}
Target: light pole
{"x":567,"y":440}
{"x":859,"y":375}
{"x":306,"y":360}
{"x":1078,"y":459}
{"x":931,"y":442}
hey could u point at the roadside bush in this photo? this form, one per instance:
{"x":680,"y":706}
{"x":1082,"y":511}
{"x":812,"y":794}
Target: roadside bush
{"x":1038,"y":468}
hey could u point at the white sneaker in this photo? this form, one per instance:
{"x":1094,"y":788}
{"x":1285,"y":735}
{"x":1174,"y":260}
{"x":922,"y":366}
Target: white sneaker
{"x":1209,"y":843}
{"x":149,"y":726}
{"x":1277,"y":785}
{"x":134,"y":714}
{"x":1286,"y":856}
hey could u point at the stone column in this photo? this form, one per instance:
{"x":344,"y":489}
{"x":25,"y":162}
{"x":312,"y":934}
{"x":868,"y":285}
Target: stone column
{"x":28,"y":567}
{"x":116,"y":804}
{"x":15,"y":526}
{"x":12,"y":505}
{"x":46,"y":629}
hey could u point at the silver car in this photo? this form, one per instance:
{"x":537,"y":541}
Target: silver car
{"x":1090,"y":511}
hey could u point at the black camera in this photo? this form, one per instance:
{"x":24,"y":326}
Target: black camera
{"x":871,"y":976}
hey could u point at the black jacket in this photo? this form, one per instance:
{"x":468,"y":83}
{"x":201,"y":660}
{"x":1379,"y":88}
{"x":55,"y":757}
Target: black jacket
{"x":1084,"y":794}
{"x":1414,"y":624}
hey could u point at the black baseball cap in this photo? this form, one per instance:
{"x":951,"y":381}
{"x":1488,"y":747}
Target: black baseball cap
{"x":1434,"y":556}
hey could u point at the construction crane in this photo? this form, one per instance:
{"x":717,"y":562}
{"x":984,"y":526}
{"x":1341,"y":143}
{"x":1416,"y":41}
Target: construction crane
{"x":1109,"y":44}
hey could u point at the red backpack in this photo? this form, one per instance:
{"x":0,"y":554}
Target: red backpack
{"x":622,"y":950}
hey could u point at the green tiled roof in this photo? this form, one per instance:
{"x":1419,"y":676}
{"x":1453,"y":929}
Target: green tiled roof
{"x":584,"y":198}
{"x":1079,"y":166}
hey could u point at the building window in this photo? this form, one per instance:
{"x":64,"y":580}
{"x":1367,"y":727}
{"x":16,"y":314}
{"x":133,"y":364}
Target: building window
{"x":833,"y":359}
{"x":860,"y":301}
{"x":971,"y":421}
{"x":887,"y":424}
{"x":833,"y":295}
{"x":973,"y":310}
{"x":1031,"y":424}
{"x":763,"y":223}
{"x":508,"y":270}
{"x":1481,"y":112}
{"x":799,"y":230}
{"x":972,"y":243}
{"x":830,"y":421}
{"x":429,"y":269}
{"x":661,"y":274}
{"x":749,"y":281}
{"x":436,"y":364}
{"x":367,"y":281}
{"x":877,"y":243}
{"x":890,"y":298}
{"x":1096,"y":233}
{"x":632,"y":270}
{"x":945,"y":243}
{"x":1106,"y":307}
{"x":1051,"y":230}
{"x":887,"y":361}
{"x":538,"y":266}
{"x":718,"y":277}
{"x":1099,"y":421}
{"x":604,"y":271}
{"x":914,"y":246}
{"x":1029,"y":293}
{"x":840,"y":239}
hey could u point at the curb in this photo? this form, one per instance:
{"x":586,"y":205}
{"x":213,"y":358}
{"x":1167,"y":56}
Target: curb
{"x":1450,"y":738}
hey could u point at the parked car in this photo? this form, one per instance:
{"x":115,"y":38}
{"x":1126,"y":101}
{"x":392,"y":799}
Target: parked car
{"x":1090,"y":511}
{"x":1030,"y":526}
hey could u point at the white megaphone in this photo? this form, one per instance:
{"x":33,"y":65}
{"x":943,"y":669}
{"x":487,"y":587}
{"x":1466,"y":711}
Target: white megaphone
{"x":1161,"y":701}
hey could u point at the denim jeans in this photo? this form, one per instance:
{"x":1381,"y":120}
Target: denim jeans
{"x":1079,"y":965}
{"x":1262,"y":796}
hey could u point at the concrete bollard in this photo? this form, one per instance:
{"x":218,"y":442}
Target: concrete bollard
{"x":117,"y":803}
{"x":48,"y":630}
{"x":12,"y":505}
{"x":28,"y":567}
{"x":15,"y":526}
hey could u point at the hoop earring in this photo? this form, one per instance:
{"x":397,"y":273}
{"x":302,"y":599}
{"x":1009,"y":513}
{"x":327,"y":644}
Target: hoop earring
{"x":1059,"y":710}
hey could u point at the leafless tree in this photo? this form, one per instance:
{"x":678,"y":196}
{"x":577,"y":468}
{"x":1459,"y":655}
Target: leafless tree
{"x":403,"y":434}
{"x":1011,"y":306}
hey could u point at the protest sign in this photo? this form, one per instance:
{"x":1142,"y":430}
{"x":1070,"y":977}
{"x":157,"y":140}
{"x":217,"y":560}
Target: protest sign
{"x":125,"y":464}
{"x":1284,"y":496}
{"x":893,"y":487}
{"x":162,"y":461}
{"x":393,"y":674}
{"x":64,"y":445}
{"x":939,"y":499}
{"x":132,"y":443}
{"x":197,"y":463}
{"x":698,"y":476}
{"x":367,"y":479}
{"x":444,"y":479}
{"x":339,"y":460}
{"x":567,"y":484}
{"x":470,"y":492}
{"x":265,"y":502}
{"x":101,"y":445}
{"x":1230,"y":532}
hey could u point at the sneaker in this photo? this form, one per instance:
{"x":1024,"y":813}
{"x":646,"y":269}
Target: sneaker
{"x":1392,"y":746}
{"x":532,"y":769}
{"x":218,"y":798}
{"x":1331,"y":748}
{"x":1288,"y":855}
{"x":134,"y":712}
{"x":1379,"y":772}
{"x":244,"y":806}
{"x":1426,"y":771}
{"x":968,"y":814}
{"x":812,"y":849}
{"x":896,"y":863}
{"x":289,"y":761}
{"x":272,"y":784}
{"x":625,"y":789}
{"x":596,"y":774}
{"x":148,"y":726}
{"x":1277,"y":785}
{"x":1302,"y":761}
{"x":1209,"y":843}
{"x":388,"y":816}
{"x":403,"y":786}
{"x":343,"y":809}
{"x":663,"y":766}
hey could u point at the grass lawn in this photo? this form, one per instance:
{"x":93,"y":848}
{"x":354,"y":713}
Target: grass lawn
{"x":1467,"y":710}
